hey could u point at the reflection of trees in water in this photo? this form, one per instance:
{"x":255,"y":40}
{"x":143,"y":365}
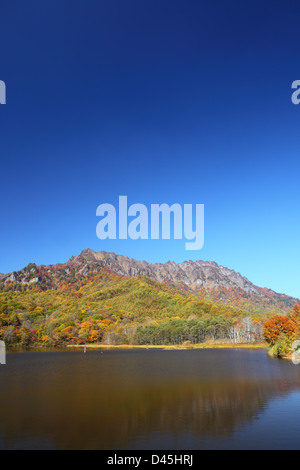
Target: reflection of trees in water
{"x":75,"y":408}
{"x":215,"y":409}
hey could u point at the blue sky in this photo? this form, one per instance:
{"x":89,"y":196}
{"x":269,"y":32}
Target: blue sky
{"x":163,"y":101}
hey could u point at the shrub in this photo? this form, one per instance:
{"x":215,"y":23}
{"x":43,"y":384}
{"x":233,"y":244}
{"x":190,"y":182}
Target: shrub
{"x":282,"y":347}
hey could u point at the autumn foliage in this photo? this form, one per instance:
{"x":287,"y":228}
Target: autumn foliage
{"x":277,"y":326}
{"x":104,"y":307}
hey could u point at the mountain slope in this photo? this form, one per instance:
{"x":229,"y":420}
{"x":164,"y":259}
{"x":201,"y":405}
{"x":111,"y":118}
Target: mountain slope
{"x":110,"y":308}
{"x":206,"y":278}
{"x":108,"y":298}
{"x":201,"y":278}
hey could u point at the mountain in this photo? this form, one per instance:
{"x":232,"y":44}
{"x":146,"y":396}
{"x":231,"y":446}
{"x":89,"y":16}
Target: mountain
{"x":111,"y":299}
{"x":205,"y":279}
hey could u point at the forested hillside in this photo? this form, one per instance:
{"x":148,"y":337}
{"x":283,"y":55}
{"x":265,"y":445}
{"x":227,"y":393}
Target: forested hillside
{"x":110,"y":308}
{"x":107,"y":298}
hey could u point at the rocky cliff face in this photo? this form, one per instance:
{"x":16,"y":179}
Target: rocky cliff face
{"x":206,"y":274}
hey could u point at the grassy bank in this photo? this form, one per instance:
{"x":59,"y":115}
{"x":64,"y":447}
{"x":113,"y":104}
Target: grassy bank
{"x":172,"y":346}
{"x":287,"y":356}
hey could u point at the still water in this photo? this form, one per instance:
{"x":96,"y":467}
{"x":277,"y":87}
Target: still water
{"x":149,"y":399}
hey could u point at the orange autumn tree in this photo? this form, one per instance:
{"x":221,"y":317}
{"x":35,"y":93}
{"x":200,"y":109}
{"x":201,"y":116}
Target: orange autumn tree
{"x":94,"y":336}
{"x":277,"y":326}
{"x":295,"y":316}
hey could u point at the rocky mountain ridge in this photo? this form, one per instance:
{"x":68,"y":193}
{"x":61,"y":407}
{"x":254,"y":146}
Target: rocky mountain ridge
{"x":204,"y":278}
{"x":207,"y":274}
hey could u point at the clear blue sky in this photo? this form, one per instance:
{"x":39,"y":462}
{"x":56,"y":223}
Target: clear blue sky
{"x":160,"y":100}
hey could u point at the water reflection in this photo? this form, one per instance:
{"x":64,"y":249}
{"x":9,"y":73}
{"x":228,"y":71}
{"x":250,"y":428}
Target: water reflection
{"x":139,"y":398}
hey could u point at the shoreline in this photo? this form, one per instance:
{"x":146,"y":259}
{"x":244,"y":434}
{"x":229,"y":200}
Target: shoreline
{"x":174,"y":347}
{"x":287,"y":357}
{"x":164,"y":347}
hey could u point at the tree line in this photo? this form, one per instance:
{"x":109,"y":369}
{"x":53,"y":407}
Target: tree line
{"x":244,"y":330}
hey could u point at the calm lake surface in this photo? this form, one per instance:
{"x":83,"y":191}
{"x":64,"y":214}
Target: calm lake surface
{"x":149,"y":399}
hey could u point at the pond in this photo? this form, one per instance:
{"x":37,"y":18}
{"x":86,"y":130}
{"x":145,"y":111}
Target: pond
{"x":149,"y":399}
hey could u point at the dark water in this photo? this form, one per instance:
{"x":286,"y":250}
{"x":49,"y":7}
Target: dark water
{"x":149,"y":399}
